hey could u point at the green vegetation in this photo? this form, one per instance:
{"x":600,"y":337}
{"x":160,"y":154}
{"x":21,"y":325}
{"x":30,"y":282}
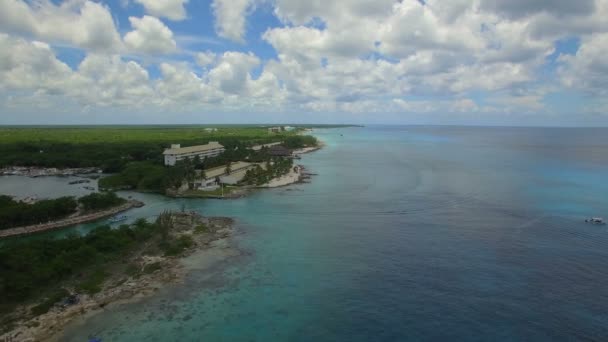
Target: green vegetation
{"x":177,"y":246}
{"x":138,"y":176}
{"x":275,"y":168}
{"x":134,"y":154}
{"x":15,"y":213}
{"x":146,"y":176}
{"x":92,"y":284}
{"x":100,"y":201}
{"x":299,"y":141}
{"x":54,"y":297}
{"x":112,"y":148}
{"x":201,"y":228}
{"x":39,"y":270}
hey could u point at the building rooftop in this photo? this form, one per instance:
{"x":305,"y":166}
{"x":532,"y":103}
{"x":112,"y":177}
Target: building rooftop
{"x":279,"y":150}
{"x":193,"y":149}
{"x":220,"y":170}
{"x":259,"y":147}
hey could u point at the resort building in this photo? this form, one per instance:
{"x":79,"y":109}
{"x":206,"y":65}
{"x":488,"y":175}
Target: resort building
{"x":274,"y":129}
{"x":177,"y":153}
{"x":213,"y":175}
{"x":260,"y":147}
{"x":279,"y":151}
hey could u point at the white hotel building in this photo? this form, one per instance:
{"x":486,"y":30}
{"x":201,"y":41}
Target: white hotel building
{"x":176,"y":152}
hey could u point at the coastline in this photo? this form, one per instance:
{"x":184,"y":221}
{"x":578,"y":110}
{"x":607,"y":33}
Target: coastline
{"x":119,"y":291}
{"x":70,"y":221}
{"x":52,"y":326}
{"x":293,"y":177}
{"x":297,"y":175}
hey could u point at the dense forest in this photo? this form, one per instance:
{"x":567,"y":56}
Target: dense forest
{"x":33,"y":269}
{"x":16,"y":213}
{"x":100,"y":201}
{"x":112,"y":149}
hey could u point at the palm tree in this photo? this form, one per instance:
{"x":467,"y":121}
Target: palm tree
{"x":228,"y":168}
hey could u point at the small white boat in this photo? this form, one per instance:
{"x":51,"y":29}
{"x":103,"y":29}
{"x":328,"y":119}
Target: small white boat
{"x":596,"y":220}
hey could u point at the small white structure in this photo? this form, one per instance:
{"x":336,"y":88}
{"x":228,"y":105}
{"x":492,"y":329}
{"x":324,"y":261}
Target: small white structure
{"x":177,"y":153}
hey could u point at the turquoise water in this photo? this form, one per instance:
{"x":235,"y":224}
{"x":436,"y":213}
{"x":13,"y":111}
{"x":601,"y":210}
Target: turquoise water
{"x":406,"y":233}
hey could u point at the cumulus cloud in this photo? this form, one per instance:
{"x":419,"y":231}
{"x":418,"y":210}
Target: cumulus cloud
{"x":232,"y":73}
{"x":111,"y":81}
{"x":150,"y":35}
{"x":170,"y":9}
{"x":230,"y":18}
{"x":588,"y":69}
{"x":84,"y":24}
{"x":354,"y":56}
{"x":205,"y":58}
{"x":32,"y":66}
{"x":521,"y":8}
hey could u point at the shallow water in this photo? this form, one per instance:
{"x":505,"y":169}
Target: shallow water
{"x":406,"y":233}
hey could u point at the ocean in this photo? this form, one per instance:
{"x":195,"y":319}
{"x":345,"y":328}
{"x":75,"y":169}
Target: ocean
{"x":405,"y":233}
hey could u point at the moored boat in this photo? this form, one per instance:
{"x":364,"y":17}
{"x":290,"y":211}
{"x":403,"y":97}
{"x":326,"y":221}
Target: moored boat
{"x":596,"y":220}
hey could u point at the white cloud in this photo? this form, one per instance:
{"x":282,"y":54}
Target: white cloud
{"x":179,"y":85}
{"x":111,"y":81}
{"x":84,"y":24}
{"x":205,"y":59}
{"x":515,"y":9}
{"x":354,"y":56}
{"x":99,"y":80}
{"x":32,"y":66}
{"x":150,"y":35}
{"x":230,"y":18}
{"x":170,"y":9}
{"x":413,"y":27}
{"x":232,"y":73}
{"x":588,"y":69}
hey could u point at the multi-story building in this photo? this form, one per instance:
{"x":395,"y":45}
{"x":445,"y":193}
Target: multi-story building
{"x":177,"y":153}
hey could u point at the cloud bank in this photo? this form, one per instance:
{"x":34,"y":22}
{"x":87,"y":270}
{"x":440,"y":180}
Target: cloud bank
{"x":359,"y":56}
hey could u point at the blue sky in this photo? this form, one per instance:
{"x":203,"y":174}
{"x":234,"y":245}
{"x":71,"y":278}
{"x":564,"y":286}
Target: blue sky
{"x":360,"y":61}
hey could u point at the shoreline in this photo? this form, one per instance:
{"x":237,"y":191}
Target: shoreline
{"x":35,"y":171}
{"x":213,"y":244}
{"x":70,"y":221}
{"x":52,"y":325}
{"x":292,"y":177}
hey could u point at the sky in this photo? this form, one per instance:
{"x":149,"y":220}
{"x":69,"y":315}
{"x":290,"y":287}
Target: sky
{"x":480,"y":62}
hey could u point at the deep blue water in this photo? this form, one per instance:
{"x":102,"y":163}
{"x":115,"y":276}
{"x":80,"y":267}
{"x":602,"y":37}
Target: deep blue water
{"x":406,"y":233}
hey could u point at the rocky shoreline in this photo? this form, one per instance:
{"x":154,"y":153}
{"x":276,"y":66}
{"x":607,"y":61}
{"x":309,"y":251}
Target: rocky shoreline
{"x":116,"y":291}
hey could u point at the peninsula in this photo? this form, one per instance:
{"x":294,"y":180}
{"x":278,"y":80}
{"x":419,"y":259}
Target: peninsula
{"x":21,"y":218}
{"x":85,"y":274}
